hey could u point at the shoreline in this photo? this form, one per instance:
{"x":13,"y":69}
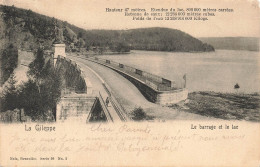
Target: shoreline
{"x":226,"y":106}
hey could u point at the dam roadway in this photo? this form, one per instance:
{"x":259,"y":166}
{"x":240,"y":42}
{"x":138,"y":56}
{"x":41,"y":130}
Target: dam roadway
{"x":127,"y":94}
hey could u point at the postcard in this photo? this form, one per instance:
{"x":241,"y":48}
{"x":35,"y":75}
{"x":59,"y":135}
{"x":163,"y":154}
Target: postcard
{"x":129,"y":83}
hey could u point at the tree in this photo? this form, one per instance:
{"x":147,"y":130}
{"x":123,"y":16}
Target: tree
{"x":81,"y":43}
{"x":43,"y":90}
{"x":51,"y":88}
{"x":36,"y":68}
{"x":10,"y":94}
{"x":9,"y":61}
{"x":31,"y":100}
{"x":80,"y":35}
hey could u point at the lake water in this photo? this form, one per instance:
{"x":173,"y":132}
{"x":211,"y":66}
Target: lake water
{"x":210,"y":71}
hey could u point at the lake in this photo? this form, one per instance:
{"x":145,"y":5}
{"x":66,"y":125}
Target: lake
{"x":208,"y":71}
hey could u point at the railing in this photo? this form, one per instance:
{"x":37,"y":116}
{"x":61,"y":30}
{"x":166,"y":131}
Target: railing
{"x":156,"y":82}
{"x":102,"y":102}
{"x":117,"y":106}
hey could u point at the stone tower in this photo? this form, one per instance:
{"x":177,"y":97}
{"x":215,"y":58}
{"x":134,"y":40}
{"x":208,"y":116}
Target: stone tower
{"x":58,"y":45}
{"x":59,"y":49}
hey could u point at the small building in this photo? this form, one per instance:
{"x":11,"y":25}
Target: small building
{"x":59,"y":50}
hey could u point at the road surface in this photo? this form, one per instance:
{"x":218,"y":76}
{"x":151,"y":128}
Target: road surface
{"x":97,"y":86}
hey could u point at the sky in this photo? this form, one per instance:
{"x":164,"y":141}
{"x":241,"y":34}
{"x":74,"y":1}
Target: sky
{"x":91,"y":14}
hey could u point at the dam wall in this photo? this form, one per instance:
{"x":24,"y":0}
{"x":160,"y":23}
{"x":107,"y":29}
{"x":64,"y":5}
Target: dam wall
{"x":73,"y":75}
{"x":155,"y":88}
{"x":77,"y":96}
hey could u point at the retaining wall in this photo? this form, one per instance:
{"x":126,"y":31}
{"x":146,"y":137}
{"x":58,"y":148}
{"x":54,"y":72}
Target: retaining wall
{"x":74,"y":107}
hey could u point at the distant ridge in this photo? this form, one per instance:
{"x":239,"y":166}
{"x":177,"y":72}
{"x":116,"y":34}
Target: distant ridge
{"x":233,"y":43}
{"x":154,"y":39}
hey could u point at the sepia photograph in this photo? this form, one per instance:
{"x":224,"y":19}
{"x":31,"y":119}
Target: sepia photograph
{"x":74,"y":70}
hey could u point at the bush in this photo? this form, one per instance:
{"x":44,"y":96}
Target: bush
{"x":139,"y":115}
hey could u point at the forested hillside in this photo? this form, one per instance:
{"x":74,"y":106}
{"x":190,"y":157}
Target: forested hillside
{"x":157,"y":39}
